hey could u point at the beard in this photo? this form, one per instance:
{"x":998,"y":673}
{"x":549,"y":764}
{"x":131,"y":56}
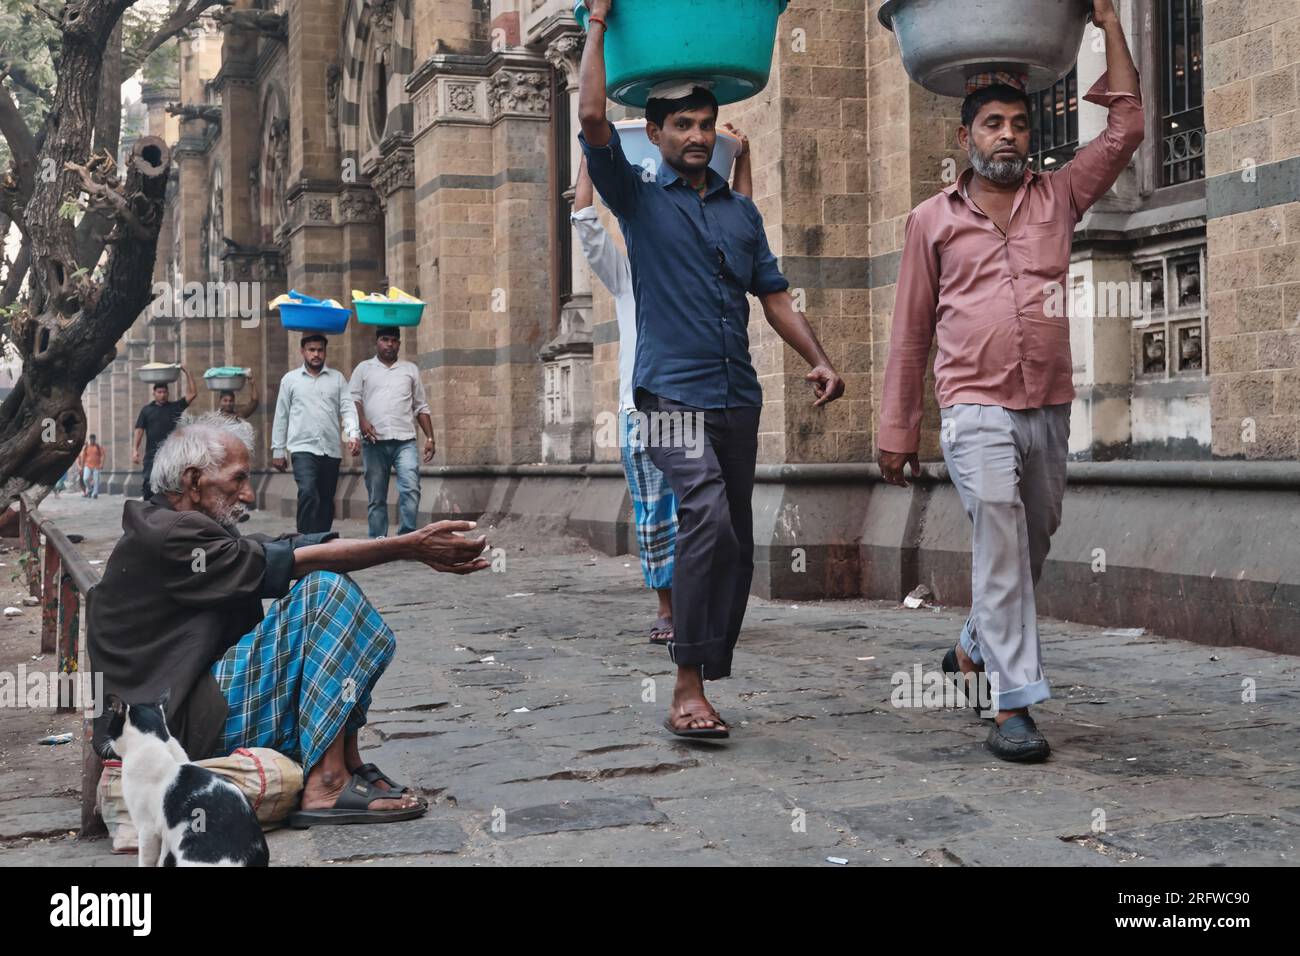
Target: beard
{"x":228,"y":515}
{"x":1001,"y":171}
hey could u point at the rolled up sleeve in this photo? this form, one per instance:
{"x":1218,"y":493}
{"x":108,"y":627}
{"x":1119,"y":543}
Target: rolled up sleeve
{"x":767,"y":276}
{"x":1096,"y":166}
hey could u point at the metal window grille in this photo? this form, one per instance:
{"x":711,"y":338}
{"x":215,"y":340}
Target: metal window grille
{"x":1182,"y":122}
{"x":1054,"y":123}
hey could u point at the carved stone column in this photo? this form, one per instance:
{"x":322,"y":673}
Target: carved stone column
{"x":567,"y":357}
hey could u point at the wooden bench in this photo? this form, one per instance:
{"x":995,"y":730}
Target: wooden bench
{"x":61,"y":577}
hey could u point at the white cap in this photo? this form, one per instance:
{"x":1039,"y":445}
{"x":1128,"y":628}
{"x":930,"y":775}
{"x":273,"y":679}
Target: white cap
{"x":676,"y":89}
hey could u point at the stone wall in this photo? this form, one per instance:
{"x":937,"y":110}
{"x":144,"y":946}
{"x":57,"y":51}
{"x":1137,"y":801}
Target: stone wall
{"x":1252,"y":120}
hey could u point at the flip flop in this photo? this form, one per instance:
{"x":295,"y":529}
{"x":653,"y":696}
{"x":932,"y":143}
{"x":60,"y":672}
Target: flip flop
{"x":698,"y":733}
{"x":372,"y":774}
{"x":662,"y":632}
{"x":353,"y":806}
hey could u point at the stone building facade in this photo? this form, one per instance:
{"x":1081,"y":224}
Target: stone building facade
{"x":334,"y":145}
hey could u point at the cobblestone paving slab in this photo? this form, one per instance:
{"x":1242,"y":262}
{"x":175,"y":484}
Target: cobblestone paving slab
{"x":527,"y":706}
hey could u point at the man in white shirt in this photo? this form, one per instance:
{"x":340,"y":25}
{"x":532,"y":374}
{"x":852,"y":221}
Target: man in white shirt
{"x":654,"y":506}
{"x":390,"y":399}
{"x":312,"y":400}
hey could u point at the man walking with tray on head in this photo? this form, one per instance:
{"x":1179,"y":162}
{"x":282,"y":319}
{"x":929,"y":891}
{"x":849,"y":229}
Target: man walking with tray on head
{"x":981,"y":261}
{"x":696,"y":248}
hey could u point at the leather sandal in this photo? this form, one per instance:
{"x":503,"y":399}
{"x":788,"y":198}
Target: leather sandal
{"x":686,"y":714}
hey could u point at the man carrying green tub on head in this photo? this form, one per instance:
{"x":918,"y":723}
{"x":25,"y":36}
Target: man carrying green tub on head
{"x":696,"y":248}
{"x":654,"y":505}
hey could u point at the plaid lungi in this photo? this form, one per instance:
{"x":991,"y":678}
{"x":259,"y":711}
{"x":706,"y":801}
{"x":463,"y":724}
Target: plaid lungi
{"x":305,"y":673}
{"x":654,"y":507}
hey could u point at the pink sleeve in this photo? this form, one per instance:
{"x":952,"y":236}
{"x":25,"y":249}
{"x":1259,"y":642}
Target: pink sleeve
{"x":1095,"y":168}
{"x":916,"y":298}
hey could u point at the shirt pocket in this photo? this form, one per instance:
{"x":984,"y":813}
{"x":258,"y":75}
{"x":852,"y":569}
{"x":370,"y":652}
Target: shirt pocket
{"x":740,"y":251}
{"x":1045,"y":247}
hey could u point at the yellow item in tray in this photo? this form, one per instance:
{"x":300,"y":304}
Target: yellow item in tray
{"x":398,"y":295}
{"x":281,"y":299}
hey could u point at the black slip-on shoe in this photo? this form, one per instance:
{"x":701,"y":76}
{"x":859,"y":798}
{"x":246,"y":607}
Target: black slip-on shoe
{"x":1018,"y":739}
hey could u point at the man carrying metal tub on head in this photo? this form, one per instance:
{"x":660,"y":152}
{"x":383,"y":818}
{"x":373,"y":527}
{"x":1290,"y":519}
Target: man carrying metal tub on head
{"x":654,"y":505}
{"x":696,"y":248}
{"x":980,"y":262}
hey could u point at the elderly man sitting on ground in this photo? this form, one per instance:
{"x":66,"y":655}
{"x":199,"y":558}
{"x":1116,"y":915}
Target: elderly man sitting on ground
{"x":179,"y":609}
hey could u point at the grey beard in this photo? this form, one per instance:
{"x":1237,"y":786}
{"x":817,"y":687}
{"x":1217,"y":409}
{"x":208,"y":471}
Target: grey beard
{"x":229,"y":517}
{"x":1001,"y":171}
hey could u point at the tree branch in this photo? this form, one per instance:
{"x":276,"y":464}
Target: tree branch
{"x":22,"y":144}
{"x":20,"y":77}
{"x":181,"y":19}
{"x":106,"y":198}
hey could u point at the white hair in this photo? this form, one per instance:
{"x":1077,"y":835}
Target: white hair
{"x":199,"y":441}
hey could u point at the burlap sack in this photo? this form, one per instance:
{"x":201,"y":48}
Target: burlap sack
{"x":270,"y":780}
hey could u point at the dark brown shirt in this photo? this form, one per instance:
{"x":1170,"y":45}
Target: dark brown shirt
{"x":178,"y":591}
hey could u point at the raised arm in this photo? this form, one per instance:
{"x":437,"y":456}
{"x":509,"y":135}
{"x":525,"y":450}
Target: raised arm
{"x":742,"y":177}
{"x":1097,"y":165}
{"x":191,"y":392}
{"x":1119,"y":61}
{"x":607,"y":261}
{"x":253,"y":402}
{"x":591,"y":76}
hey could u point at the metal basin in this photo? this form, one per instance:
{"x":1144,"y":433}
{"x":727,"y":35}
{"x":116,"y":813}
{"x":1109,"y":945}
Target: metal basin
{"x":225,"y":383}
{"x":160,"y":376}
{"x":944,"y":42}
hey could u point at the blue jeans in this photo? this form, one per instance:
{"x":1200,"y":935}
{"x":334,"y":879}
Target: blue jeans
{"x":380,"y":458}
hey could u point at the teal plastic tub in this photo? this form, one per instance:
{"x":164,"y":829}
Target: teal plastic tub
{"x":389,"y":313}
{"x":727,"y":42}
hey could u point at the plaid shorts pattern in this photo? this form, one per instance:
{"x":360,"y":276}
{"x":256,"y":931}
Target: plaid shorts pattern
{"x":306,"y":671}
{"x":654,"y":507}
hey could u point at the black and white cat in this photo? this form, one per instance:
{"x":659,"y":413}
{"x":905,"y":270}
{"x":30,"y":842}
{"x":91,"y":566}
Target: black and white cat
{"x":186,"y":815}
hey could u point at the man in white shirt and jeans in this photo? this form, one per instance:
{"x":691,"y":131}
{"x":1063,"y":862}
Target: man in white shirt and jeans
{"x":654,"y":506}
{"x":390,"y":398}
{"x":312,"y":400}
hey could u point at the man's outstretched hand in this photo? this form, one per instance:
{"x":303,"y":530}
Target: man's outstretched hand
{"x":441,"y":547}
{"x":891,"y":466}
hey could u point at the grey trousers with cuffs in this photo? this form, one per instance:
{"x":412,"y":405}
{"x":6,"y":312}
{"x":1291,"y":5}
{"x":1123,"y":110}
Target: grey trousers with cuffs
{"x":1009,"y":470}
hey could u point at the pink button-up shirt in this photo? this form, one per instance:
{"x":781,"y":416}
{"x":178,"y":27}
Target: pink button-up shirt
{"x":985,"y":294}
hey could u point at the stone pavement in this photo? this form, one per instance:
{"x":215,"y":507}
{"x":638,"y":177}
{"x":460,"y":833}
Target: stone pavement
{"x":518,"y":703}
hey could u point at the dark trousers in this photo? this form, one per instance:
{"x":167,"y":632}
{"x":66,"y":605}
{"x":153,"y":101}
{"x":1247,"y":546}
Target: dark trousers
{"x":317,"y":477}
{"x":714,"y":561}
{"x":147,"y":492}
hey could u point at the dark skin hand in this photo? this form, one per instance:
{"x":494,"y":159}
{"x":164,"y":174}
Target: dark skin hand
{"x":891,"y":466}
